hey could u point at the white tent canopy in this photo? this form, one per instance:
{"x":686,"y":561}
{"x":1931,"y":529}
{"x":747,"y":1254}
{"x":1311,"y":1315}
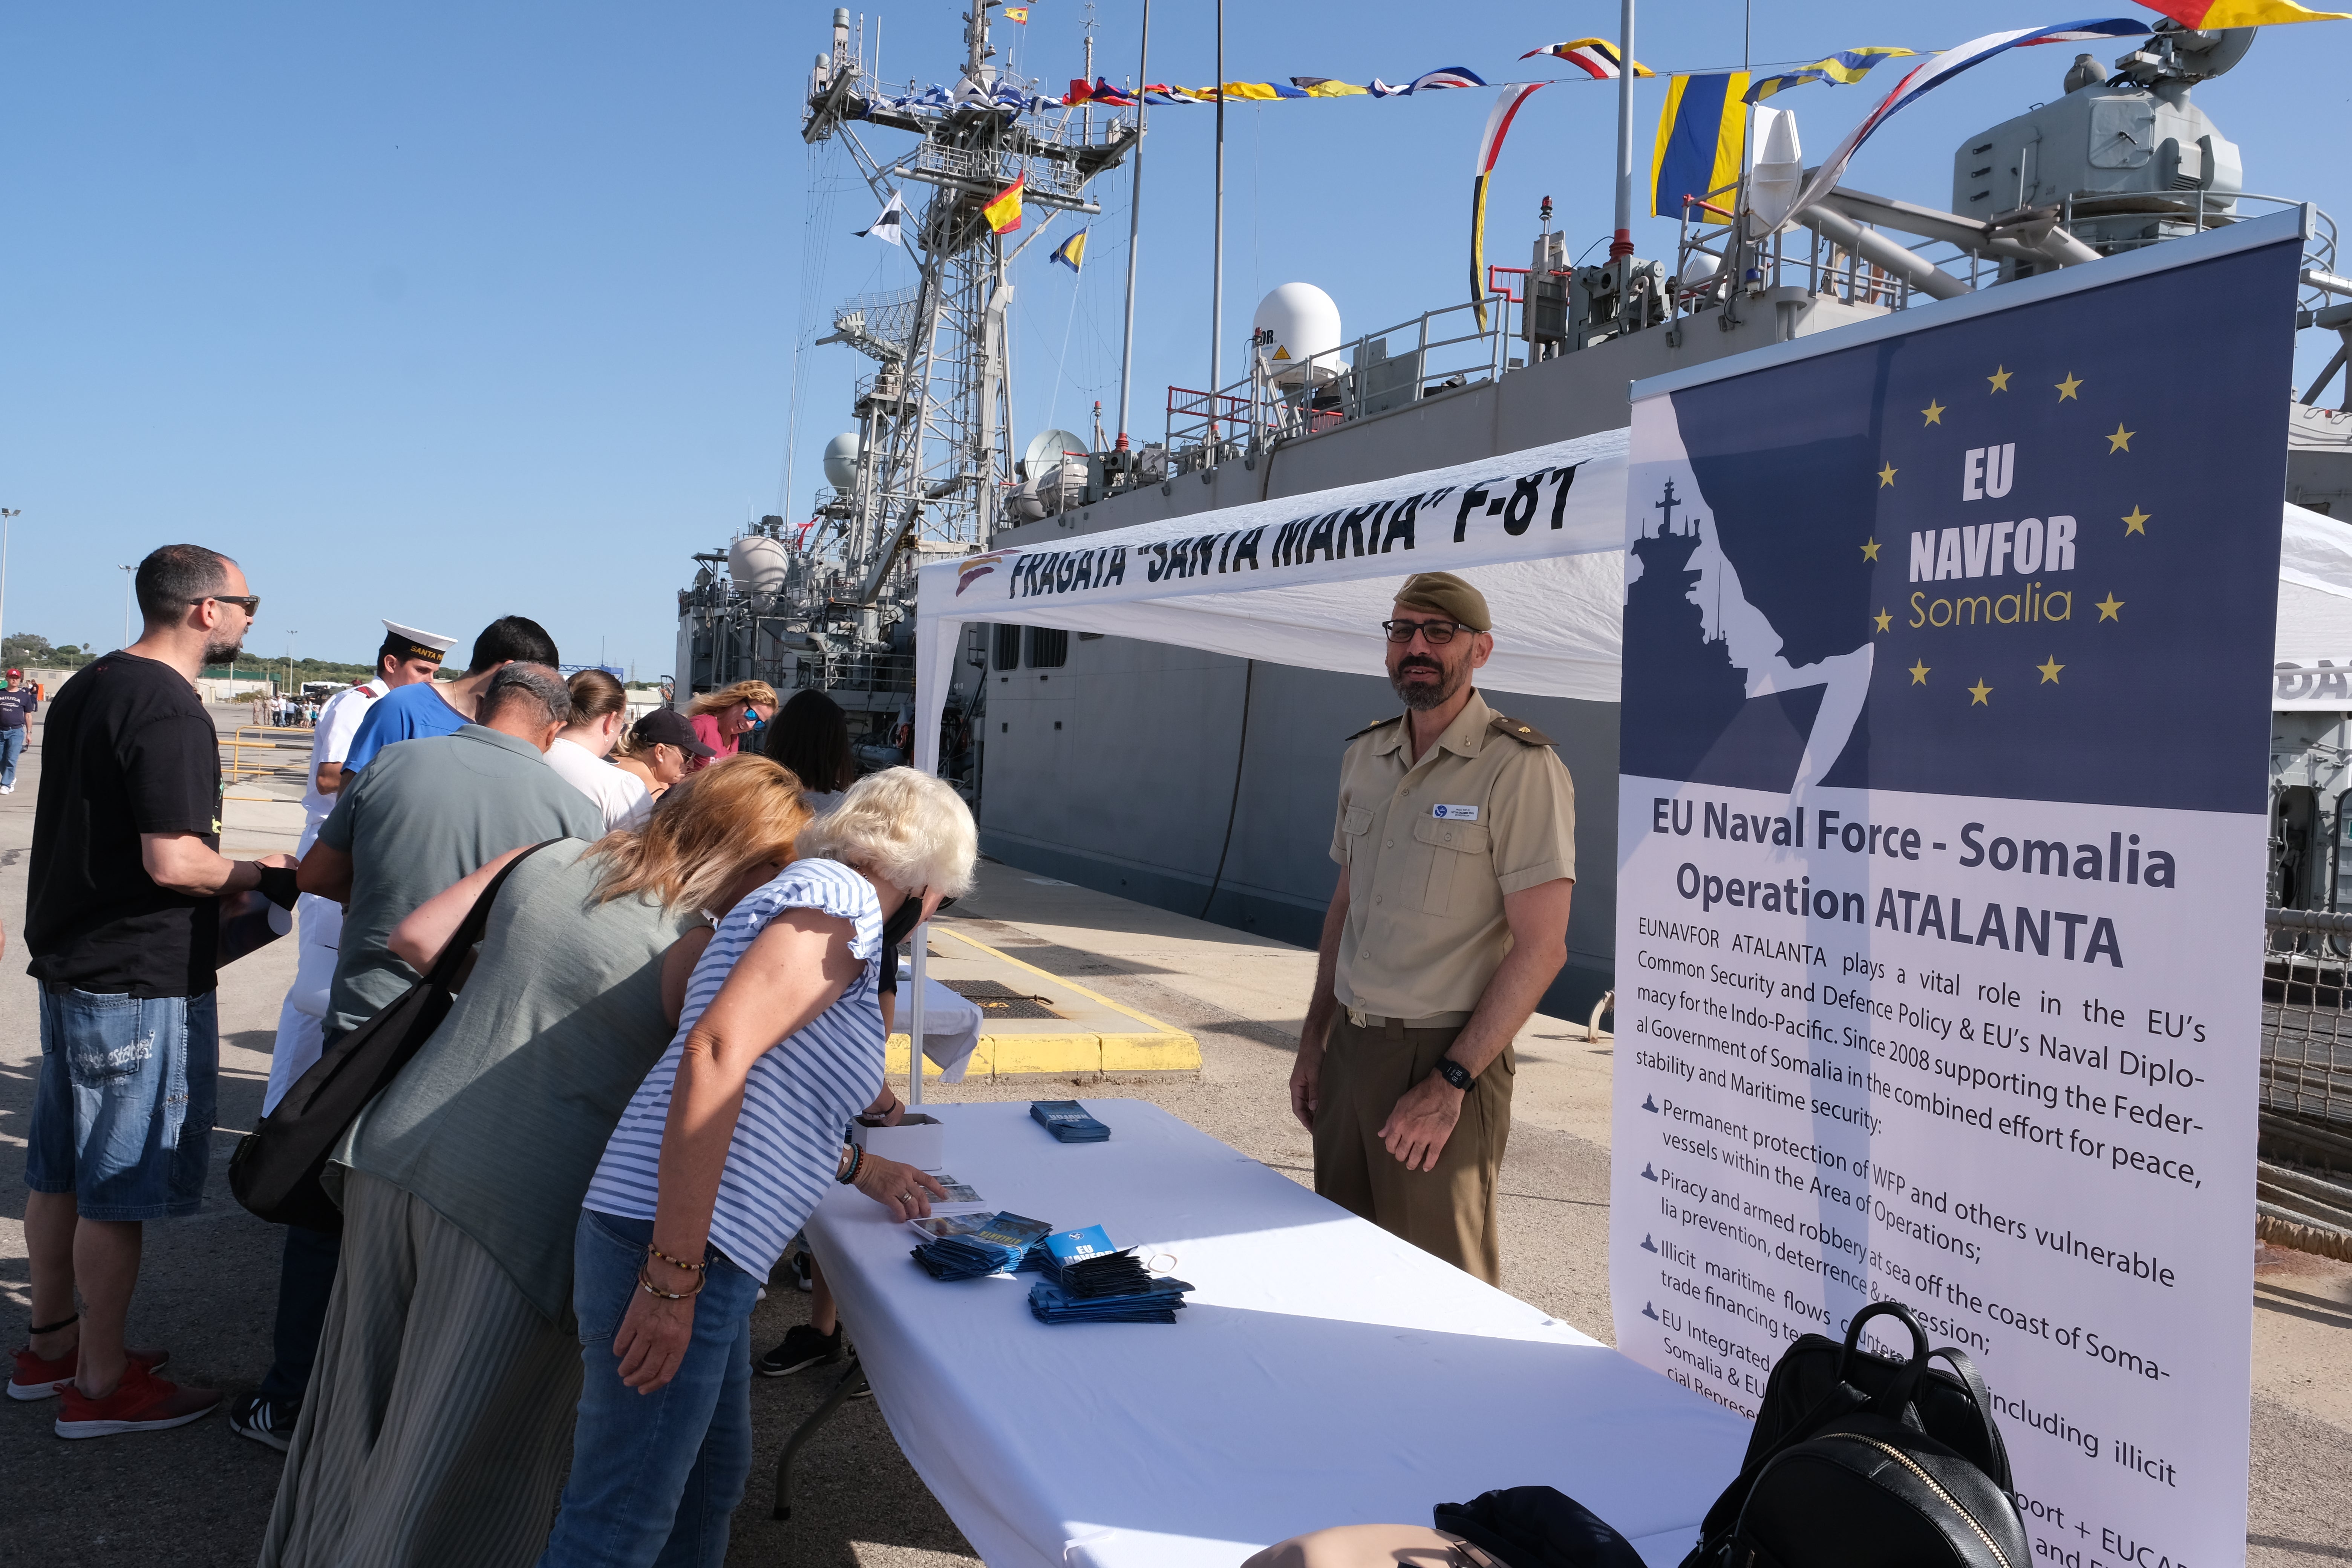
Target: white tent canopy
{"x":1306,"y":580}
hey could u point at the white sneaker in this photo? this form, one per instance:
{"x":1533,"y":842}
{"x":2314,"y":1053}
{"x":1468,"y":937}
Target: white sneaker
{"x":8,"y":789}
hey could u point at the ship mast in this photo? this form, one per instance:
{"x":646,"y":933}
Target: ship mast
{"x":936,"y":458}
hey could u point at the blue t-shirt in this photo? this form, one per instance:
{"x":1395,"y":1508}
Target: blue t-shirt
{"x":406,"y":713}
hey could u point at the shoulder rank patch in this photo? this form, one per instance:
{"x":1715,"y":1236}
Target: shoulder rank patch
{"x":1375,"y":724}
{"x":1523,"y":733}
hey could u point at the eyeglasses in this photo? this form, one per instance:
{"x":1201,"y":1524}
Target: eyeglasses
{"x":1439,"y":633}
{"x":249,"y":603}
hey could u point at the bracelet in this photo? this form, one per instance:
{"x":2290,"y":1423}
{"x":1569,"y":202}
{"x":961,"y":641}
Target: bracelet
{"x":856,"y":1158}
{"x":650,"y":1289}
{"x":675,"y":1262}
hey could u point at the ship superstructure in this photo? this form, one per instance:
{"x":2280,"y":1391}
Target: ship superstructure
{"x":1202,"y":782}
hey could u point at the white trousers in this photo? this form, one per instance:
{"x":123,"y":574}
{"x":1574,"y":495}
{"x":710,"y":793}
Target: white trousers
{"x":302,"y":1020}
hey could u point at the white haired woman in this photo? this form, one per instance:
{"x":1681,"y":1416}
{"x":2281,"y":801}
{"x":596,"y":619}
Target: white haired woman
{"x":781,"y":1038}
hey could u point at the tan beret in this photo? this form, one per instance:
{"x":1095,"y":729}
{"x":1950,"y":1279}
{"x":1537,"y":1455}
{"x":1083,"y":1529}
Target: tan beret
{"x":1444,"y":593}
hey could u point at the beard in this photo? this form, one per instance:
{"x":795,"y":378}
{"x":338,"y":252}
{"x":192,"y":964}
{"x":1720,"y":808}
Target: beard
{"x":1422,"y":696}
{"x":222,"y":652}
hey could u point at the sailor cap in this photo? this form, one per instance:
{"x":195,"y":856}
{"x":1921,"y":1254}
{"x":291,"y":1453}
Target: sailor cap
{"x":410,"y":643}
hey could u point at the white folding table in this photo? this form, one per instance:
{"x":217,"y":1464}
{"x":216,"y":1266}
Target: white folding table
{"x":1325,"y":1373}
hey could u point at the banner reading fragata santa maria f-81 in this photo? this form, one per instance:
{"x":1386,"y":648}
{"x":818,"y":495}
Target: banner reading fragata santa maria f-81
{"x":1947,"y":682}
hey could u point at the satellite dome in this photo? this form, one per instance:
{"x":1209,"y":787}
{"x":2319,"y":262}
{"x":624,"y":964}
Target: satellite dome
{"x":841,"y":460}
{"x":1297,"y":330}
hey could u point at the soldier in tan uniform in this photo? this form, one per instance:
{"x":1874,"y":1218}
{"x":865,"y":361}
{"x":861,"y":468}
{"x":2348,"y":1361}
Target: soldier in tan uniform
{"x":1456,"y":837}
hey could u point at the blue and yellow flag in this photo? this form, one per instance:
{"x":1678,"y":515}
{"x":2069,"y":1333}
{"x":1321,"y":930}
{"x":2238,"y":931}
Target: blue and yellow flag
{"x":1699,"y":136}
{"x":1073,"y":253}
{"x":1846,"y":66}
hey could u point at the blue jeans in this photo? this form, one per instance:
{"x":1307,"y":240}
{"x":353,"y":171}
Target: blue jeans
{"x":12,"y":746}
{"x":654,"y":1477}
{"x":122,"y":1116}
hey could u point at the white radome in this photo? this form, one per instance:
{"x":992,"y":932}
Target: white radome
{"x":757,"y":563}
{"x":1304,"y":322}
{"x":841,"y":460}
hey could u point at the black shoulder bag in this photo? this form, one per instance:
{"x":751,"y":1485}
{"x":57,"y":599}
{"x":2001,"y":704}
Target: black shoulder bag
{"x":1859,"y":1461}
{"x":275,"y":1170}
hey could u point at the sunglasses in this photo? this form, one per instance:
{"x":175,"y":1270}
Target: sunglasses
{"x":1439,"y":633}
{"x":249,"y":603}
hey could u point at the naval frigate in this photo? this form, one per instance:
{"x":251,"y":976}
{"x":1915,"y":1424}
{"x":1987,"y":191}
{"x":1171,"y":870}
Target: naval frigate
{"x":1202,"y":782}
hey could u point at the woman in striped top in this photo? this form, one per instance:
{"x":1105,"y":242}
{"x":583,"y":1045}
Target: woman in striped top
{"x":720,"y":1156}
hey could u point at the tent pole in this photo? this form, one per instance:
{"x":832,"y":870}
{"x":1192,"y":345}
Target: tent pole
{"x":914,"y":993}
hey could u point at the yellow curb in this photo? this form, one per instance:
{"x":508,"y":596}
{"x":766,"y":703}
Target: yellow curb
{"x":895,"y":1062}
{"x":1156,"y":1047}
{"x":1150,"y":1053}
{"x":1016,"y":1054}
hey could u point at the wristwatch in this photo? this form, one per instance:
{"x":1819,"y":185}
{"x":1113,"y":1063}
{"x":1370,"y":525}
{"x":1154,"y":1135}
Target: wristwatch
{"x":1454,"y":1073}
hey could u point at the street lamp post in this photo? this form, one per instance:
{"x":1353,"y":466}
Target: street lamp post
{"x":290,"y":636}
{"x":6,"y":513}
{"x":127,"y":580}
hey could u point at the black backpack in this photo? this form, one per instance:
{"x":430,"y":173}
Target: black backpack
{"x":1858,"y":1462}
{"x":276,"y":1168}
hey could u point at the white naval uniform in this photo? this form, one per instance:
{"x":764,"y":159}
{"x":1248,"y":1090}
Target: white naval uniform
{"x":301,"y":1021}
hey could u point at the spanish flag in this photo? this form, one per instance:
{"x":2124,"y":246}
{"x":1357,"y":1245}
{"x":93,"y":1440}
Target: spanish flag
{"x":2238,"y":13}
{"x":1699,"y":135}
{"x":1017,"y":14}
{"x":1004,"y":209}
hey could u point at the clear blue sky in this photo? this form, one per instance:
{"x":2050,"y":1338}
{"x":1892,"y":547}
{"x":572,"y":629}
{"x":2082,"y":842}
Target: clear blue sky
{"x":442,"y":312}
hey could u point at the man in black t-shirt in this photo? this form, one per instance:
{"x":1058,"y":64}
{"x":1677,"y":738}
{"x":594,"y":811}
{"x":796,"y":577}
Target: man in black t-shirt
{"x":122,"y":922}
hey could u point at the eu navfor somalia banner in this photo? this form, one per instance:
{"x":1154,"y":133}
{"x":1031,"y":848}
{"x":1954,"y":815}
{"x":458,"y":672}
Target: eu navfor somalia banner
{"x":1947,"y":650}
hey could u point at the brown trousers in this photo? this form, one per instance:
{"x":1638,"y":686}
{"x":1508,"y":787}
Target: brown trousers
{"x":1449,"y":1212}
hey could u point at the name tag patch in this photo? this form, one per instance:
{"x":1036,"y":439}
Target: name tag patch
{"x":1455,"y":812}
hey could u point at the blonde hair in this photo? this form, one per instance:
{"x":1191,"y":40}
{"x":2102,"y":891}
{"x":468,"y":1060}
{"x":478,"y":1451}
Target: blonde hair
{"x":703,"y":833}
{"x":907,"y":828}
{"x":758,"y":693}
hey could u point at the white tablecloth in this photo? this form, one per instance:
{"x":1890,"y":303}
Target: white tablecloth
{"x":951,"y":1027}
{"x":1325,"y":1374}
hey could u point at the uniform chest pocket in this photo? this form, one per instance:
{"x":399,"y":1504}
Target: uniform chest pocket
{"x":1354,"y":823}
{"x":1461,"y":860}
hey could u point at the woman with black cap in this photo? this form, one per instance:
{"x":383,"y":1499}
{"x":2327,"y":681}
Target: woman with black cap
{"x":659,"y":750}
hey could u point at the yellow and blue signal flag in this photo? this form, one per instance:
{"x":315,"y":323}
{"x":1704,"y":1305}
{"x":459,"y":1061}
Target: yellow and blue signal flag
{"x":1699,"y":136}
{"x":1846,"y":66}
{"x":1073,"y":251}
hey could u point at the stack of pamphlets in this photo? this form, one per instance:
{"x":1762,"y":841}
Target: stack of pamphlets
{"x":1048,"y":1255}
{"x":965,"y":1247}
{"x":1067,"y":1121}
{"x":1089,"y":1281}
{"x":1113,"y":1289}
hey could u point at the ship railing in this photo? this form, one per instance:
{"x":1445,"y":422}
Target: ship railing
{"x":890,"y":674}
{"x":1451,"y":347}
{"x":2302,"y":1180}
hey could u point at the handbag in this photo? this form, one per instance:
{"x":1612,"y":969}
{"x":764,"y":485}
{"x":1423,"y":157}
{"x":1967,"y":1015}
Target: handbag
{"x":275,"y":1170}
{"x":1536,"y":1527}
{"x":1860,"y":1461}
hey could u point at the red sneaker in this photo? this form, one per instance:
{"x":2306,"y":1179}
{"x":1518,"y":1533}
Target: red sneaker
{"x":36,"y":1379}
{"x":144,"y":1403}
